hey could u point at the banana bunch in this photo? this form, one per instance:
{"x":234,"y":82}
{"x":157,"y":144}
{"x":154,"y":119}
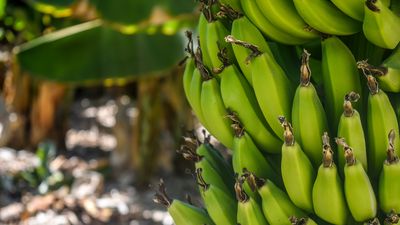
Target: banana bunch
{"x":273,"y":81}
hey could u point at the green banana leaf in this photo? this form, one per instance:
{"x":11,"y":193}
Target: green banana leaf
{"x":92,"y":51}
{"x":129,"y":12}
{"x":55,"y":3}
{"x":3,"y":4}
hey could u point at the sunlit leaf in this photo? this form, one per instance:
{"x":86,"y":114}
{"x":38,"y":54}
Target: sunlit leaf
{"x":91,"y":51}
{"x":130,"y":12}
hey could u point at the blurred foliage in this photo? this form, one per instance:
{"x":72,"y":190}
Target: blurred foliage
{"x":129,"y":38}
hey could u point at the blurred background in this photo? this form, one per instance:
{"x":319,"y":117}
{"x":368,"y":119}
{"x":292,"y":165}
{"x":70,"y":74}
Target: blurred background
{"x":92,"y":109}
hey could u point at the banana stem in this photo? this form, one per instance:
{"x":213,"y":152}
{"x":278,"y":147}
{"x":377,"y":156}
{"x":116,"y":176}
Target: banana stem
{"x":288,"y":131}
{"x":347,"y":105}
{"x":241,"y":196}
{"x":228,"y":11}
{"x":188,"y":151}
{"x":253,"y":48}
{"x":161,"y":196}
{"x":369,"y":69}
{"x":327,"y":159}
{"x":206,"y":9}
{"x":305,"y":71}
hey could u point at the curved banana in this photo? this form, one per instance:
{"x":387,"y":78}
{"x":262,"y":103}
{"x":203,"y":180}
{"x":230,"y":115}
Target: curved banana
{"x":308,"y":115}
{"x":210,"y":172}
{"x":323,"y":16}
{"x":357,"y":187}
{"x":381,"y":118}
{"x":328,"y":197}
{"x":202,"y":29}
{"x":195,"y":96}
{"x":187,"y":78}
{"x":248,"y":210}
{"x":181,"y":211}
{"x":239,"y":98}
{"x":267,"y":74}
{"x":283,"y":14}
{"x":351,"y":129}
{"x":222,"y":206}
{"x":340,"y":76}
{"x":217,"y":160}
{"x":275,"y":33}
{"x":246,"y":155}
{"x":352,"y":8}
{"x":216,"y":33}
{"x":276,"y":204}
{"x":214,"y":112}
{"x":206,"y":150}
{"x":297,"y":171}
{"x":243,"y":29}
{"x":381,"y":26}
{"x":388,"y":73}
{"x":389,"y":185}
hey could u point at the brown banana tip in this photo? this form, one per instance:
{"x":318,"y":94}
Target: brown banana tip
{"x":305,"y":71}
{"x":200,"y":180}
{"x":161,"y":196}
{"x":241,"y":195}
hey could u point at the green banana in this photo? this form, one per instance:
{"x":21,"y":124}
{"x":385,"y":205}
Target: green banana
{"x":248,"y":210}
{"x":244,"y":30}
{"x":308,"y":115}
{"x":323,"y":16}
{"x":357,"y":187}
{"x":388,"y":73}
{"x":238,"y":97}
{"x":351,"y":129}
{"x":389,"y":186}
{"x":187,"y":78}
{"x":246,"y":155}
{"x":216,"y":33}
{"x":181,"y":211}
{"x":381,"y":118}
{"x":273,"y":32}
{"x":283,"y":14}
{"x":297,"y":171}
{"x":223,"y":207}
{"x":267,"y":74}
{"x":328,"y":197}
{"x":381,"y":26}
{"x":202,"y":30}
{"x":340,"y":76}
{"x":210,"y":173}
{"x":276,"y":204}
{"x":352,"y":8}
{"x":214,"y":112}
{"x":206,"y":150}
{"x":301,"y":221}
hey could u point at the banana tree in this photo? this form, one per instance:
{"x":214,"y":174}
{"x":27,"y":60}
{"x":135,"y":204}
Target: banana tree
{"x":138,"y":41}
